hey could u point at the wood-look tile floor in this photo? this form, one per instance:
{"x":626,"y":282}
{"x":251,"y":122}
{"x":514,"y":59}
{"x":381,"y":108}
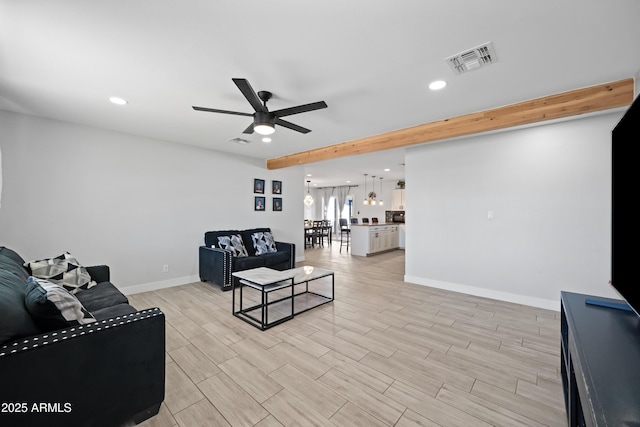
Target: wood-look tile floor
{"x":384,"y":353}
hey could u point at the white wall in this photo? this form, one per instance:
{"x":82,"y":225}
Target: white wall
{"x":549,"y":188}
{"x":133,"y":203}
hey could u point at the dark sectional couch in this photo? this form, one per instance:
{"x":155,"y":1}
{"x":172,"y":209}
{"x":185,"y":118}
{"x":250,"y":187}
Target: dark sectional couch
{"x":217,"y":263}
{"x":108,"y":372}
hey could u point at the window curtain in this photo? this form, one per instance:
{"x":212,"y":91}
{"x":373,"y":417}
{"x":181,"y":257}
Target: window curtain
{"x":0,"y":177}
{"x":343,"y":192}
{"x":327,"y":193}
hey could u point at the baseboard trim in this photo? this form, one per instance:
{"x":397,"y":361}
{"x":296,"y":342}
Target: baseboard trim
{"x":487,"y":293}
{"x":154,"y":286}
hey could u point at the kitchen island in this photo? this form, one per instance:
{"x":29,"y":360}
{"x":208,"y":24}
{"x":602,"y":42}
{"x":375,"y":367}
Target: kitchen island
{"x":372,"y":239}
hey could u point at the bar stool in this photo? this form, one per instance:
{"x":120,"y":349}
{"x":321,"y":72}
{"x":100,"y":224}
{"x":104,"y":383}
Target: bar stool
{"x":365,"y":220}
{"x":374,"y":220}
{"x":344,"y":231}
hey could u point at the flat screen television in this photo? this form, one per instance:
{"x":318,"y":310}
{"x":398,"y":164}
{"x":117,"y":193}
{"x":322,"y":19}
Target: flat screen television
{"x":624,"y":226}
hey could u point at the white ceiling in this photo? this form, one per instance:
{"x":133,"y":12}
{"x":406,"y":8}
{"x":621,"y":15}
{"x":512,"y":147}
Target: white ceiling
{"x":370,"y":60}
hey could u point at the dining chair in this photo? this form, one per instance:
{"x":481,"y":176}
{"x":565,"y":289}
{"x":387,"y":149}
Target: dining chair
{"x":327,"y":230}
{"x":308,"y":235}
{"x":318,"y":234}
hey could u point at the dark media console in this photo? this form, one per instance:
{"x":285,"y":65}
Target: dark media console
{"x":600,"y":362}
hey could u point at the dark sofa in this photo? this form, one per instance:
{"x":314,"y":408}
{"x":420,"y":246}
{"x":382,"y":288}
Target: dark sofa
{"x":217,"y":263}
{"x":109,"y":372}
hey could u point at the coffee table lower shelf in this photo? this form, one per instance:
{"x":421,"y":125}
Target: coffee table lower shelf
{"x":288,"y":290}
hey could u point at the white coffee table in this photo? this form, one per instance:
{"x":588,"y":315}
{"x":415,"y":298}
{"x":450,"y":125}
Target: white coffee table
{"x":288,"y":299}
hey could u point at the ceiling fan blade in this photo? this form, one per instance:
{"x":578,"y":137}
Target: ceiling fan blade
{"x":213,"y":110}
{"x":249,"y":129}
{"x":250,"y":94}
{"x":292,"y":126}
{"x":300,"y":109}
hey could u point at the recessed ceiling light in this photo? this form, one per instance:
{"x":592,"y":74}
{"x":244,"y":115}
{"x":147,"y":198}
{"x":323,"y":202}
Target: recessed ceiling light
{"x":387,"y":170}
{"x":118,"y":101}
{"x":437,"y":85}
{"x":266,"y":139}
{"x":348,"y":181}
{"x":309,"y":174}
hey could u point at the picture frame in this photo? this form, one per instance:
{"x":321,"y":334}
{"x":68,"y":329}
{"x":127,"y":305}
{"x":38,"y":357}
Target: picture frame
{"x":276,"y":187}
{"x":277,"y":204}
{"x":259,"y":203}
{"x":258,"y":186}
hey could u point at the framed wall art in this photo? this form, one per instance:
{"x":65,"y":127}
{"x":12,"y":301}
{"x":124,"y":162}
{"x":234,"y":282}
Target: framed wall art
{"x":277,"y":204}
{"x":258,"y":186}
{"x":259,"y":203}
{"x":276,"y":187}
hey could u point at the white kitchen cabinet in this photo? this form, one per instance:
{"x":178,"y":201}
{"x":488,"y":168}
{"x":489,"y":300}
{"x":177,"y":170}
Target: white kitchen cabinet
{"x":397,"y":200}
{"x":372,"y":239}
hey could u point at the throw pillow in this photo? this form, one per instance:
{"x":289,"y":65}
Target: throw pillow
{"x":263,"y":243}
{"x":234,"y":244}
{"x":64,"y":270}
{"x":52,"y":307}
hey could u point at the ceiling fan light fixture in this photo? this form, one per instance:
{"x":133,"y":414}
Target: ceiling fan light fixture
{"x":264,"y":128}
{"x":264,"y":121}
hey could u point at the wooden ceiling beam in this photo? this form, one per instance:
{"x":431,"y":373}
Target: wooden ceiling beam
{"x":581,"y":101}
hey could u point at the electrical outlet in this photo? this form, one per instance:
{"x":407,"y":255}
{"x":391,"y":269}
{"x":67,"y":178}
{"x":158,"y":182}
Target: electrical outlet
{"x":165,"y":268}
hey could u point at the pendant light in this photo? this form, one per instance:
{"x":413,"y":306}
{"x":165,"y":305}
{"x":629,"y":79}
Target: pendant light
{"x":372,"y":194}
{"x":381,"y":202}
{"x":366,"y":201}
{"x":308,"y":199}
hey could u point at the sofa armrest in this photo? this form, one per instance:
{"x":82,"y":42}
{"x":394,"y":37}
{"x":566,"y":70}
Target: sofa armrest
{"x":291,"y":247}
{"x":99,"y":273}
{"x":216,"y":266}
{"x":101,"y":374}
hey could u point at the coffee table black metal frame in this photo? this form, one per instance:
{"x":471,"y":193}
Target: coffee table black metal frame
{"x":266,"y":281}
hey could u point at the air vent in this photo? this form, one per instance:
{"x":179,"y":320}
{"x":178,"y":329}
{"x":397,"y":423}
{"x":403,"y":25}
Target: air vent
{"x":239,"y":141}
{"x":472,"y":59}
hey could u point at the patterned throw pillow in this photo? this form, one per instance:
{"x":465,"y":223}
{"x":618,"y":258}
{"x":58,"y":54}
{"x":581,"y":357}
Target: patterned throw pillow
{"x":64,"y":270}
{"x":53,"y":307}
{"x":234,"y":244}
{"x":263,"y":243}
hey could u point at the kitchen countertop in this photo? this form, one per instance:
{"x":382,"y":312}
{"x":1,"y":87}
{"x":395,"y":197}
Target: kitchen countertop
{"x":378,"y":224}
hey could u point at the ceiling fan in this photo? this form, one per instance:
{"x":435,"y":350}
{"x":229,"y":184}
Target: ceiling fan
{"x":264,"y":121}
